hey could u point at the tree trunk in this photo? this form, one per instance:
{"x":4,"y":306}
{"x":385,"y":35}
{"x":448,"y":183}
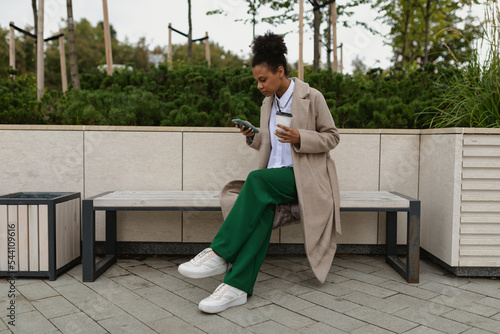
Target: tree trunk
{"x":301,"y":40}
{"x":73,"y":65}
{"x":190,"y":33}
{"x":253,"y":9}
{"x":329,"y":38}
{"x":254,"y":23}
{"x":405,"y":35}
{"x":40,"y":66}
{"x":62,"y":56}
{"x":35,"y":17}
{"x":317,"y":22}
{"x":12,"y":47}
{"x":427,"y":16}
{"x":334,"y":36}
{"x":107,"y":38}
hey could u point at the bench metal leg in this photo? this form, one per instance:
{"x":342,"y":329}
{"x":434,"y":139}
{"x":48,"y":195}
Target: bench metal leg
{"x":110,"y":232}
{"x":413,"y":243}
{"x":90,"y":269}
{"x":88,"y":236}
{"x":391,"y":233}
{"x":110,"y":258}
{"x":391,"y":242}
{"x":409,"y":270}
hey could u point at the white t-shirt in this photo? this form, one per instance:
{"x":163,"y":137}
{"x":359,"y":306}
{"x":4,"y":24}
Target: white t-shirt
{"x":281,"y":155}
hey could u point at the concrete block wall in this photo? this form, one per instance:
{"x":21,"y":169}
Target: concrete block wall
{"x":425,"y":164}
{"x":92,"y":160}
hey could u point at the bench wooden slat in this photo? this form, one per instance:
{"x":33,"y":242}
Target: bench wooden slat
{"x":372,"y":199}
{"x":348,"y":199}
{"x":159,"y":199}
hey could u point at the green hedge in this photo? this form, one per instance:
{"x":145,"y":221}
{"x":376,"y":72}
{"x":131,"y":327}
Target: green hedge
{"x":201,"y":96}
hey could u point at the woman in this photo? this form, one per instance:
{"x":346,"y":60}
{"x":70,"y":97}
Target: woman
{"x":294,"y":164}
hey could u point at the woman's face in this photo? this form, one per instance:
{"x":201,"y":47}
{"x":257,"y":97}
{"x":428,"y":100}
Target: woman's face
{"x":267,"y":81}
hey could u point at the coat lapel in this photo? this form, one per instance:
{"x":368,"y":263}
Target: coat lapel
{"x":300,"y":105}
{"x":266,"y":113}
{"x":265,"y":150}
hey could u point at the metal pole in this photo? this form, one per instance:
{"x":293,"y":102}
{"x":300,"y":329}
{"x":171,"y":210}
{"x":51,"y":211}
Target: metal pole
{"x":12,"y":47}
{"x":341,"y":57}
{"x":169,"y":55}
{"x":73,"y":62}
{"x":107,"y":38}
{"x":62,"y":55}
{"x":334,"y":36}
{"x":207,"y":49}
{"x":39,"y":51}
{"x":301,"y":40}
{"x":319,"y":51}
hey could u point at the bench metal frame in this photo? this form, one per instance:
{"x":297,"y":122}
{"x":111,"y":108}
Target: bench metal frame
{"x":410,"y":269}
{"x":91,"y":269}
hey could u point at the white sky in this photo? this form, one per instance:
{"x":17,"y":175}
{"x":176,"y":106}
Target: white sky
{"x":133,"y":19}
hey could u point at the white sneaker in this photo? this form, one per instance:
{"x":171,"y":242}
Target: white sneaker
{"x":205,"y":264}
{"x":224,"y":296}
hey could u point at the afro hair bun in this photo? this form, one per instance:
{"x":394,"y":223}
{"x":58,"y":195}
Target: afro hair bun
{"x":270,"y":49}
{"x":269,"y":44}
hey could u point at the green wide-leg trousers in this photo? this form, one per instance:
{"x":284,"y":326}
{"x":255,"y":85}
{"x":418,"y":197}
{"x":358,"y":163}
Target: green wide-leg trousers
{"x":244,"y":237}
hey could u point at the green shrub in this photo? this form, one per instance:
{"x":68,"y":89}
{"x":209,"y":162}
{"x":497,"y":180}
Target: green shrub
{"x":471,"y":98}
{"x":18,"y":102}
{"x":113,"y":106}
{"x":200,"y":96}
{"x":471,"y":95}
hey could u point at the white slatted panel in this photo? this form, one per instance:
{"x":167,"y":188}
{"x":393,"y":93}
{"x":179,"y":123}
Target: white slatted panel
{"x":68,"y":223}
{"x":33,"y":236}
{"x":67,"y":232}
{"x":485,"y":162}
{"x":60,"y":234}
{"x":23,"y":238}
{"x":481,"y":151}
{"x":43,"y":237}
{"x":480,"y":202}
{"x":480,"y":184}
{"x":76,"y":229}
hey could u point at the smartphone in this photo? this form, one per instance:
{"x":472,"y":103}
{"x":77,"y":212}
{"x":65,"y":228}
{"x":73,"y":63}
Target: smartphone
{"x":245,"y":125}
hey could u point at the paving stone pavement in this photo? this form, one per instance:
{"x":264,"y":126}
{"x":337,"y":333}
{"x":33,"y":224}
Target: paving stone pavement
{"x":362,"y":294}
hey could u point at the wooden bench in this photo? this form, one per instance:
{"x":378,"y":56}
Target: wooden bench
{"x":375,"y":201}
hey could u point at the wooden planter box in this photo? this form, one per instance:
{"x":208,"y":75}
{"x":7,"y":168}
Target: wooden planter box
{"x":40,"y":233}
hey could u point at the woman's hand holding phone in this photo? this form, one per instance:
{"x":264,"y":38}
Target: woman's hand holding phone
{"x":246,"y":128}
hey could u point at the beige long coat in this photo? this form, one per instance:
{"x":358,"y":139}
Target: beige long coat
{"x":314,"y":170}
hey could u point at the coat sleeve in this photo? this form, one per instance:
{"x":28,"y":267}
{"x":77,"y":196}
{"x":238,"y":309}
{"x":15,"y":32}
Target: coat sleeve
{"x":326,"y":136}
{"x":255,"y":142}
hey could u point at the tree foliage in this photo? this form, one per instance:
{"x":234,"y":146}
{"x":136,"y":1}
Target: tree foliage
{"x":218,"y":57}
{"x":91,"y":53}
{"x":428,"y":31}
{"x":316,"y":15}
{"x":438,"y":93}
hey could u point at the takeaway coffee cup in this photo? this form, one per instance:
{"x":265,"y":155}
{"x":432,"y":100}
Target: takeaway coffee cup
{"x":283,"y":119}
